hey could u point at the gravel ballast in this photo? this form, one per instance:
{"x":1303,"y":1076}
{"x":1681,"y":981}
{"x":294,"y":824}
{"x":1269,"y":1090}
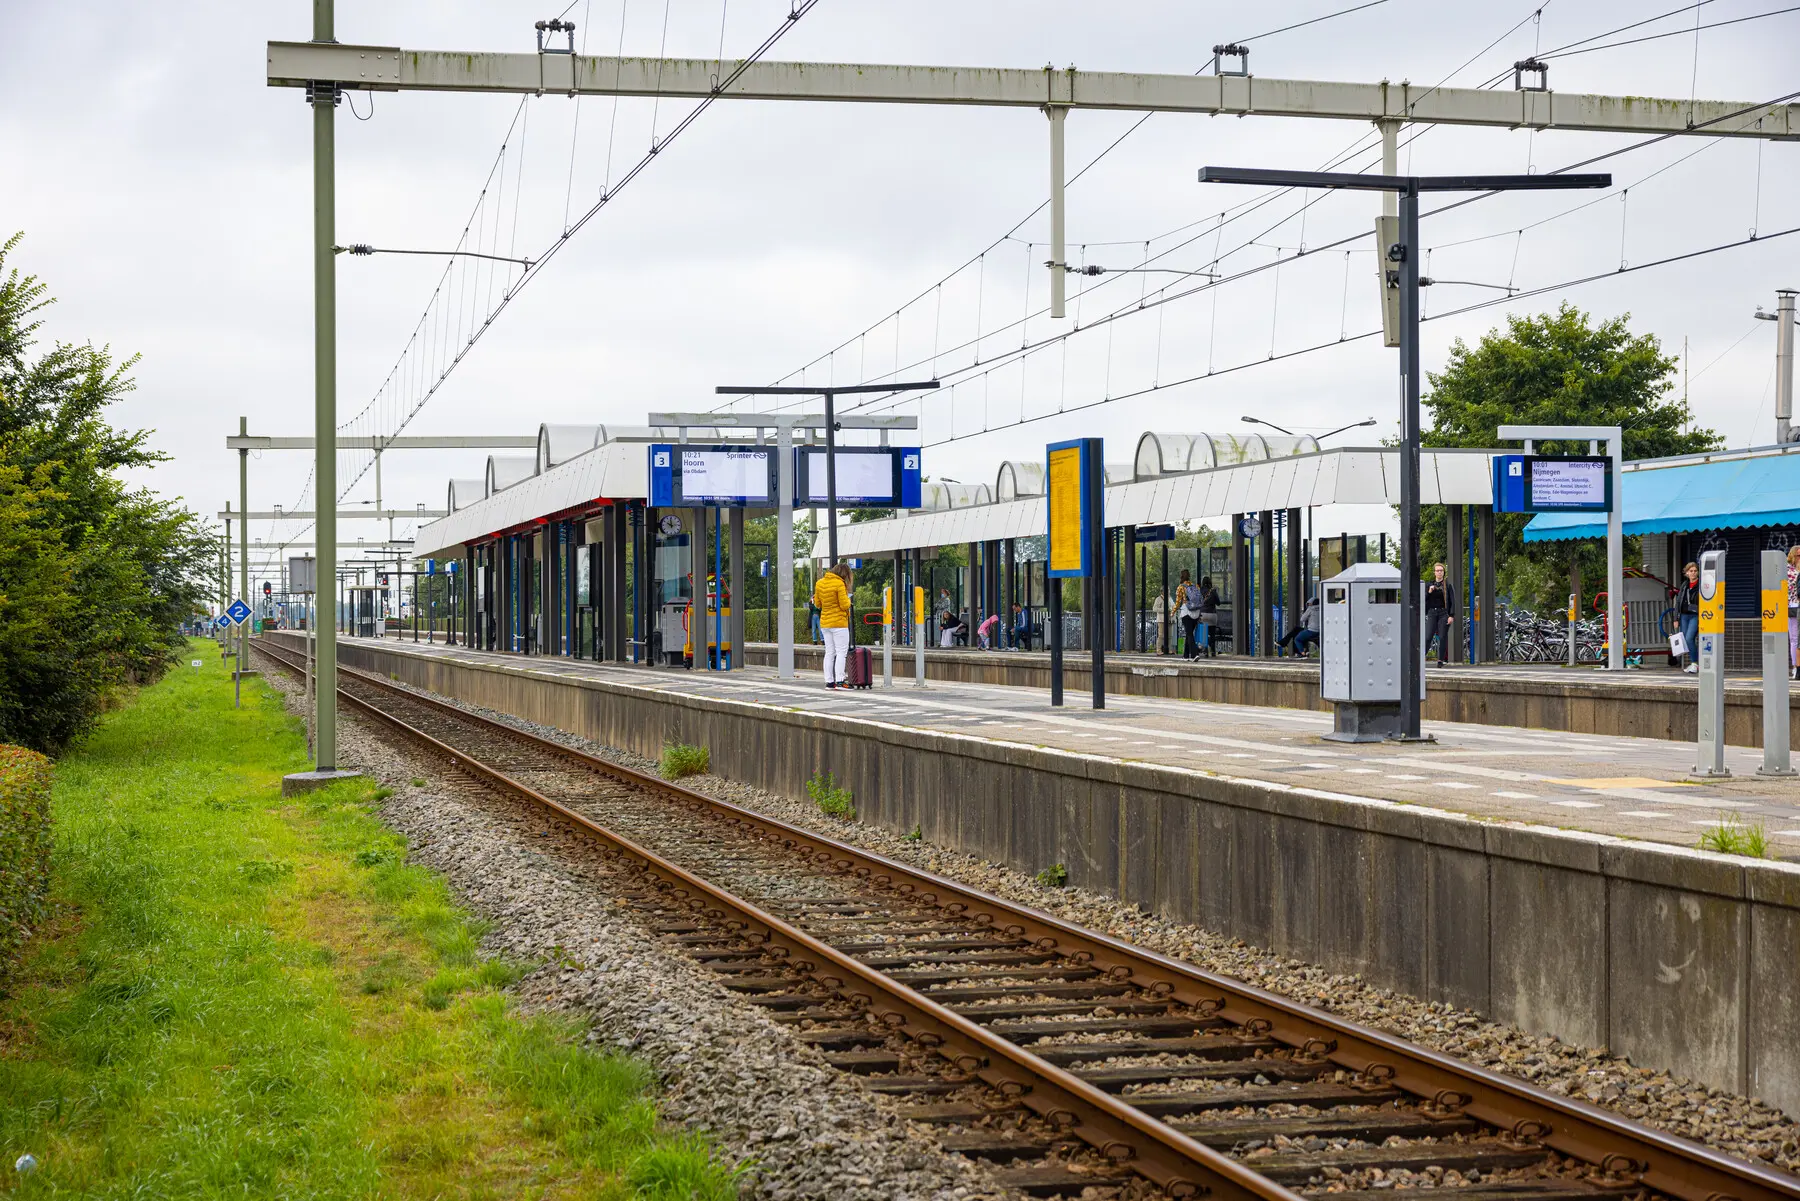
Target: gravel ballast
{"x":761,"y":1095}
{"x":1742,"y":1126}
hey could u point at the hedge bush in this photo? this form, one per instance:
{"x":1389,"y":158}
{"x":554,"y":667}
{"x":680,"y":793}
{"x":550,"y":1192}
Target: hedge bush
{"x":24,"y":846}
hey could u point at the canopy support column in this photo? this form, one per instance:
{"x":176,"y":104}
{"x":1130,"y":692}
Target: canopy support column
{"x":1265,"y":585}
{"x":1240,"y":587}
{"x":1453,"y":576}
{"x":1484,"y":626}
{"x":735,"y":626}
{"x":1294,"y":599}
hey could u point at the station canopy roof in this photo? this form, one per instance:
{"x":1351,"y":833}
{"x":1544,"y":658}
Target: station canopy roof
{"x":1175,"y":478}
{"x":1719,"y":491}
{"x":1331,"y":477}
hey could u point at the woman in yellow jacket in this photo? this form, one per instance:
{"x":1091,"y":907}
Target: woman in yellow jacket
{"x":832,"y":595}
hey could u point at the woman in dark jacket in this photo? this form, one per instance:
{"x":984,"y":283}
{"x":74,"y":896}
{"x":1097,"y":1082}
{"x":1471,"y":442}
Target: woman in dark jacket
{"x":1687,"y":612}
{"x":1440,"y":607}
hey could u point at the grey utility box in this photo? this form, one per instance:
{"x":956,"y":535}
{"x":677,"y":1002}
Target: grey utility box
{"x":1359,"y":652}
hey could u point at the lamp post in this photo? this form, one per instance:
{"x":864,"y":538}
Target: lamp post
{"x":1354,"y":425}
{"x":1404,"y":257}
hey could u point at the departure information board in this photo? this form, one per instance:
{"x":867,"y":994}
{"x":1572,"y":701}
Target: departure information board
{"x":731,"y":476}
{"x":884,"y":476}
{"x":1568,"y":485}
{"x":691,"y":475}
{"x":861,"y":478}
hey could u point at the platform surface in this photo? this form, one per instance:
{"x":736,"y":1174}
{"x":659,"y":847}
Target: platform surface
{"x":1630,"y":787}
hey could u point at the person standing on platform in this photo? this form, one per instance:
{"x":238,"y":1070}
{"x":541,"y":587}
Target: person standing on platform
{"x":1687,"y":612}
{"x":1793,"y":602}
{"x":832,"y":595}
{"x":1209,"y":617}
{"x":985,"y":631}
{"x":1440,"y":607}
{"x":1187,"y":602}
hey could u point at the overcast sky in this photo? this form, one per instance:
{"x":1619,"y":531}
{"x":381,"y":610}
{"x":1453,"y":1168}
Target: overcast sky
{"x":165,"y":195}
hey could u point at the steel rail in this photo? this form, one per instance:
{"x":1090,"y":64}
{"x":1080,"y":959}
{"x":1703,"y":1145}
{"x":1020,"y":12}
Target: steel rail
{"x":1627,"y":1152}
{"x":1169,"y":1159}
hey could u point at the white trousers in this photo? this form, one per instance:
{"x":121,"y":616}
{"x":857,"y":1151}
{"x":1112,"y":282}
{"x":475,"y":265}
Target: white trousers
{"x":837,"y":646}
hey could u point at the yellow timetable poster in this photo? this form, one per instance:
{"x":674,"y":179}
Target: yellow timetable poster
{"x":1064,"y":499}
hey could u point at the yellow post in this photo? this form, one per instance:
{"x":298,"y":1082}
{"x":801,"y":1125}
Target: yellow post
{"x":1712,"y":610}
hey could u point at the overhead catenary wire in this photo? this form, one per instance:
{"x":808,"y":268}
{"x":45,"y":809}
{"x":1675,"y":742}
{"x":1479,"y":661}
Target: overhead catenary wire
{"x":465,"y":344}
{"x":1245,"y":208}
{"x":1563,"y":285}
{"x":881,"y":402}
{"x":1011,"y":233}
{"x":1554,"y":54}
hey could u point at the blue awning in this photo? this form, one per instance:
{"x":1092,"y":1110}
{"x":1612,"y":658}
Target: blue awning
{"x":1762,"y":490}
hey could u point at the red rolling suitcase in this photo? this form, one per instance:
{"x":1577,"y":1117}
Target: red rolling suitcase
{"x":859,"y":668}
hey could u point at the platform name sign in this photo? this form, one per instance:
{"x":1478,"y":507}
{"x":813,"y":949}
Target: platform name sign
{"x":1553,"y":484}
{"x":694,"y":476}
{"x":1068,"y":504}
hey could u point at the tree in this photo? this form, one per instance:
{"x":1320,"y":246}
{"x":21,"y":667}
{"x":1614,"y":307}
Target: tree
{"x":95,"y":577}
{"x":1554,"y":369}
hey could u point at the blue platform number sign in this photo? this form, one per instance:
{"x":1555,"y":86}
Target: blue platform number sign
{"x":1509,"y":483}
{"x":1074,"y":496}
{"x":238,"y":612}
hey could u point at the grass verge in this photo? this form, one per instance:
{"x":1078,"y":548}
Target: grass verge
{"x":240,"y":995}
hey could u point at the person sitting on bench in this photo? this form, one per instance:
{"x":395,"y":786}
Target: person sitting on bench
{"x":1305,"y":633}
{"x":1020,"y":632}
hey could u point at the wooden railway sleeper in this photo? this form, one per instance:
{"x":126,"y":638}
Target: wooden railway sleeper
{"x":1673,"y":1166}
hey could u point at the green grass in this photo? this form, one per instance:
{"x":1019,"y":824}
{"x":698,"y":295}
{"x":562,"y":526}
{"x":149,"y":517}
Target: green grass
{"x":831,"y":800}
{"x":679,"y":759}
{"x":248,"y":997}
{"x":1733,"y":836}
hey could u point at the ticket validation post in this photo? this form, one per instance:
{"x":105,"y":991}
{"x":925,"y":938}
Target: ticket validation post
{"x":887,"y":635}
{"x":1075,"y":524}
{"x":1712,"y":665}
{"x":918,"y":634}
{"x":1775,"y":666}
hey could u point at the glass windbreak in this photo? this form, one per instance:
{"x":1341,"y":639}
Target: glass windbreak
{"x":672,"y":571}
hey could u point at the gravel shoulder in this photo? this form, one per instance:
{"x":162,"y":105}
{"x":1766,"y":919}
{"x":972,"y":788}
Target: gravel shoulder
{"x":1745,"y":1127}
{"x":726,"y":1070}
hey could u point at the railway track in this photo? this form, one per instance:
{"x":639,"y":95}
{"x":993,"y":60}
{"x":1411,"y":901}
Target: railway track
{"x":1066,"y":1059}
